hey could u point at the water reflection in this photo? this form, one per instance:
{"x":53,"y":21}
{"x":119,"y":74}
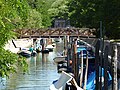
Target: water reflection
{"x":42,"y":71}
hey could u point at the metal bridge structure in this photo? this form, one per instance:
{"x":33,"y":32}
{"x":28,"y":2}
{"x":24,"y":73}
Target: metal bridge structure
{"x":55,"y":32}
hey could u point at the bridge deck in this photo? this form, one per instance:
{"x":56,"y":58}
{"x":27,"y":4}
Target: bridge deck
{"x":55,"y":32}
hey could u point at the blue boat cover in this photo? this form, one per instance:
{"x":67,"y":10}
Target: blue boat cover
{"x":84,"y":49}
{"x":79,"y":49}
{"x":91,"y":80}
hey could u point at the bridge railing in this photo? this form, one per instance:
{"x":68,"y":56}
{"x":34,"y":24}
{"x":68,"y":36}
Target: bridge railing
{"x":57,"y":32}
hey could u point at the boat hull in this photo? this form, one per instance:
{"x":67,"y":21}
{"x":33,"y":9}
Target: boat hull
{"x":59,"y":59}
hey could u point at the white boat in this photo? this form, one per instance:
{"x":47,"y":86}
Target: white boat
{"x":61,"y":82}
{"x":49,"y":47}
{"x":59,"y":59}
{"x":26,"y":53}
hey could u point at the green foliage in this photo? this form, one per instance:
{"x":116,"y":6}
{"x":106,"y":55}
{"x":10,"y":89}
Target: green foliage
{"x":22,"y":63}
{"x":88,"y":13}
{"x":34,"y":20}
{"x":13,"y":14}
{"x":18,"y":14}
{"x":7,"y":59}
{"x":59,"y":9}
{"x":9,"y":62}
{"x":82,"y":13}
{"x":42,"y":6}
{"x":112,"y":18}
{"x":47,"y":10}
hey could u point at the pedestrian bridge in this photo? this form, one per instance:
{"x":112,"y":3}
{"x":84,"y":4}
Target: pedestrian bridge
{"x":55,"y":32}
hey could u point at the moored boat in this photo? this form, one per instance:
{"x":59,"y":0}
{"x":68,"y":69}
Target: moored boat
{"x":24,"y":53}
{"x":45,"y":51}
{"x":50,"y":48}
{"x":64,"y":79}
{"x":59,"y":59}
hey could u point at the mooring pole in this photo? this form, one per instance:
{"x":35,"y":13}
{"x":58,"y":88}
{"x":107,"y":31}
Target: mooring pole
{"x":114,"y":65}
{"x":86,"y":72}
{"x":101,"y":54}
{"x":65,"y":44}
{"x":106,"y":68}
{"x":68,"y":52}
{"x":42,"y":47}
{"x":81,"y":71}
{"x":75,"y":58}
{"x":42,"y":43}
{"x":72,"y":54}
{"x":97,"y":57}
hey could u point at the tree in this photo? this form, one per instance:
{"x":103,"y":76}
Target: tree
{"x":42,"y":6}
{"x":10,"y":12}
{"x":34,"y":19}
{"x":112,"y":18}
{"x":88,"y":13}
{"x":82,"y":13}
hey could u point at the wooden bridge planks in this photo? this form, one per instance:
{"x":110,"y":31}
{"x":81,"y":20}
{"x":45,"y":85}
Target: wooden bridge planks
{"x":54,"y":32}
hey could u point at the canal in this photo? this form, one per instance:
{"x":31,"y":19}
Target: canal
{"x":41,"y":72}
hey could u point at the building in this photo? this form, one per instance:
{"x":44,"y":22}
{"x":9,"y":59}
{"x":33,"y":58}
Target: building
{"x":61,"y":23}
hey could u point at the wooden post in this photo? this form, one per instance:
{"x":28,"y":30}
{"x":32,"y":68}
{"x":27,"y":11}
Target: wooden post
{"x":73,"y":62}
{"x":64,"y":42}
{"x":42,"y":42}
{"x":78,"y":69}
{"x":81,"y":75}
{"x":101,"y":62}
{"x":68,"y":55}
{"x":65,"y":45}
{"x":97,"y":63}
{"x":101,"y":55}
{"x":68,"y":51}
{"x":42,"y":47}
{"x":72,"y":54}
{"x":114,"y":64}
{"x":34,"y":40}
{"x":106,"y":68}
{"x":111,"y":62}
{"x":86,"y":72}
{"x":75,"y":58}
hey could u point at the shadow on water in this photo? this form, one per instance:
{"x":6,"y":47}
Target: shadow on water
{"x":41,"y":72}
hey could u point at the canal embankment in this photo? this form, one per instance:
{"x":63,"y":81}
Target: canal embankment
{"x":15,"y":44}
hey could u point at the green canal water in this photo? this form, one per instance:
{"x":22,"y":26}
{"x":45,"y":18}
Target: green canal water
{"x":41,"y":72}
